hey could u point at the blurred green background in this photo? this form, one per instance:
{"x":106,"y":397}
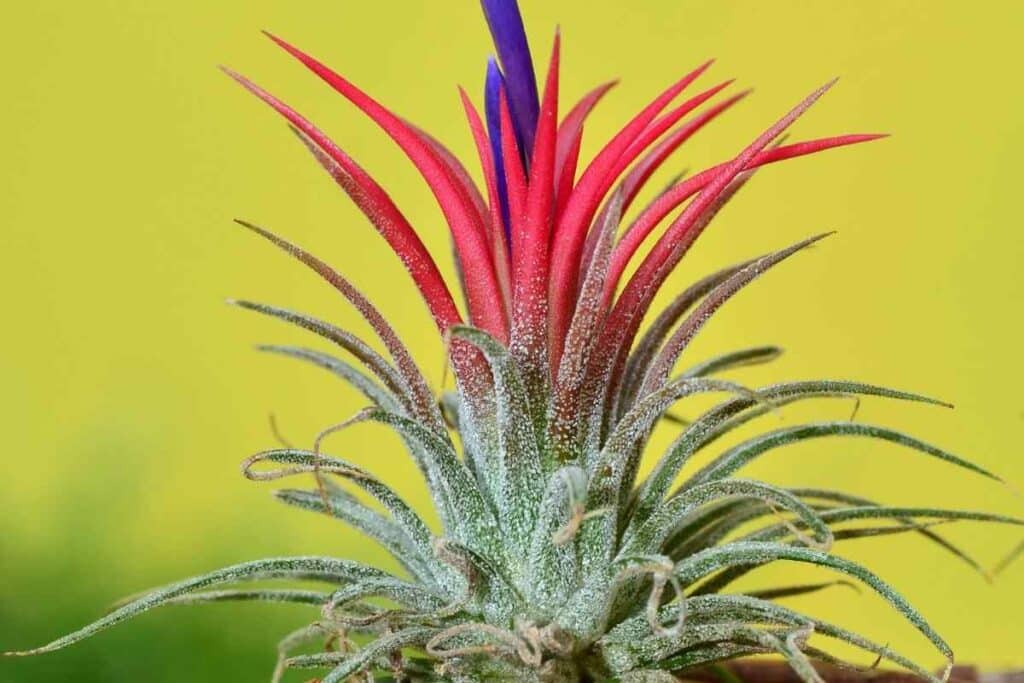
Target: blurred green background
{"x":131,"y":392}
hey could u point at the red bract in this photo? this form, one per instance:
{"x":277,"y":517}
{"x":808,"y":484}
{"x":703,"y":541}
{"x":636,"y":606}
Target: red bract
{"x":524,"y":282}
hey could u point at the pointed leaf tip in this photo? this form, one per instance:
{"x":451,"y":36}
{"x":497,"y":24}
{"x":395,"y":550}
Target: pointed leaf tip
{"x":815,"y":238}
{"x":231,"y":72}
{"x":699,"y":71}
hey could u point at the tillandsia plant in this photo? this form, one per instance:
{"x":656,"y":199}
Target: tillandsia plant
{"x":555,"y":559}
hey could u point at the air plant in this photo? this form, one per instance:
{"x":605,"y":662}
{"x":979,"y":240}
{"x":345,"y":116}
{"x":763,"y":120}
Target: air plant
{"x":555,"y":559}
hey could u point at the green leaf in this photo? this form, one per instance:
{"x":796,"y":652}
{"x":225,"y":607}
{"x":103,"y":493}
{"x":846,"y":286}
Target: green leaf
{"x":519,"y":487}
{"x":612,"y":471}
{"x":408,"y":596}
{"x":423,"y":404}
{"x":781,"y":592}
{"x":497,"y":595}
{"x":740,"y":455}
{"x":661,"y":366}
{"x":348,"y":664}
{"x":707,"y":529}
{"x":554,"y":567}
{"x":403,"y":516}
{"x":299,"y":597}
{"x":633,"y":429}
{"x":752,"y":609}
{"x":733,"y":360}
{"x":350,"y":510}
{"x":651,"y":536}
{"x":649,"y":676}
{"x":366,"y":386}
{"x":324,"y":569}
{"x":631,"y":645}
{"x":644,"y":351}
{"x":471,"y":521}
{"x":934,"y":537}
{"x":748,"y":553}
{"x":708,"y":614}
{"x":734,"y":413}
{"x":373,"y":361}
{"x":1010,"y":558}
{"x":900,"y":515}
{"x":704,"y":655}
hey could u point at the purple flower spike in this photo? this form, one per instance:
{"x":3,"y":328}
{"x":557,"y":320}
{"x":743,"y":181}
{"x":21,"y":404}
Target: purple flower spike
{"x":492,"y":111}
{"x":506,"y":24}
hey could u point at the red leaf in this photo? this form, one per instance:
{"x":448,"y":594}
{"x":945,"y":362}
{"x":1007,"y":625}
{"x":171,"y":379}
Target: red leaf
{"x":457,"y":173}
{"x":659,"y":127}
{"x":515,"y":175}
{"x":499,"y":247}
{"x":375,"y":203}
{"x":631,"y":306}
{"x":669,"y":201}
{"x":642,"y":171}
{"x":423,"y":400}
{"x":582,"y":206}
{"x":673,"y":244}
{"x":570,"y":138}
{"x":482,"y":285}
{"x":530,"y":244}
{"x":635,"y":180}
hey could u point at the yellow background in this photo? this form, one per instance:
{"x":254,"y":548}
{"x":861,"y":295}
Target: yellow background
{"x":130,"y":391}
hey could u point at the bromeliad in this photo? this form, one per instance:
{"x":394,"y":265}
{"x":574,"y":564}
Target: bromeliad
{"x":556,"y":559}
